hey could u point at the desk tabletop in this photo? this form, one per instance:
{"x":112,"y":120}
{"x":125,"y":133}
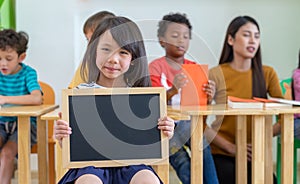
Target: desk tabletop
{"x":53,"y":115}
{"x":27,"y":110}
{"x":223,"y":109}
{"x":174,"y":114}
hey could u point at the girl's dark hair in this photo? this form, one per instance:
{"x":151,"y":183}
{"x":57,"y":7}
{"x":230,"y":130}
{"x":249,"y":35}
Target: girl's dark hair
{"x":15,"y":40}
{"x":173,"y":18}
{"x":258,"y":84}
{"x":128,"y":36}
{"x":292,"y":81}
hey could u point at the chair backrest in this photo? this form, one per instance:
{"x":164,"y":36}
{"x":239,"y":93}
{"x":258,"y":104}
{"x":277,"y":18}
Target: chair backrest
{"x":48,"y":98}
{"x":48,"y":93}
{"x":286,"y":88}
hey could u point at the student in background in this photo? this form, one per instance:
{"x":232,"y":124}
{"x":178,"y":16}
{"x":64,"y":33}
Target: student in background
{"x":295,"y":95}
{"x":116,"y":57}
{"x":88,"y":29}
{"x":174,"y":34}
{"x":18,"y":86}
{"x":240,"y":73}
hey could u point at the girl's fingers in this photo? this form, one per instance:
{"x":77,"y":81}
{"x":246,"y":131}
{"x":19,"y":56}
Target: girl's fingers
{"x":168,"y":134}
{"x":167,"y":125}
{"x":61,"y":129}
{"x":59,"y":114}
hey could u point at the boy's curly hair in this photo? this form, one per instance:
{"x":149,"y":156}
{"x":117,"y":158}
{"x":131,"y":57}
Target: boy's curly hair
{"x":15,"y":40}
{"x":173,"y":18}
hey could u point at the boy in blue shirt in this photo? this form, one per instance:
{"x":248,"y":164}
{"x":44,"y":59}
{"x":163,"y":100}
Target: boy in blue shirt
{"x":18,"y":86}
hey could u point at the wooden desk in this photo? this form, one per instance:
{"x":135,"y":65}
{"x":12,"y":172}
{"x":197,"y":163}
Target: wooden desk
{"x":261,"y":134}
{"x":53,"y":115}
{"x":287,"y":143}
{"x":176,"y":114}
{"x":24,"y":113}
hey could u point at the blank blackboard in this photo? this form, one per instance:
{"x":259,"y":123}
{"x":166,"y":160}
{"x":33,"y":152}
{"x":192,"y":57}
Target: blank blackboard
{"x":114,"y":127}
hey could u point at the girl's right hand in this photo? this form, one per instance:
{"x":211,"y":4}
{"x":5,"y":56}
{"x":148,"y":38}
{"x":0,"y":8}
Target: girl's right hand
{"x":61,"y":130}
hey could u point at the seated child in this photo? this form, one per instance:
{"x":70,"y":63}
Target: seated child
{"x":296,"y":96}
{"x":18,"y":86}
{"x":88,"y":29}
{"x":115,"y":57}
{"x":292,"y":93}
{"x":174,"y":34}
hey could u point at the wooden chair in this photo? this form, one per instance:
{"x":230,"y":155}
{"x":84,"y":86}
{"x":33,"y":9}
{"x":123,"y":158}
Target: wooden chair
{"x":48,"y":98}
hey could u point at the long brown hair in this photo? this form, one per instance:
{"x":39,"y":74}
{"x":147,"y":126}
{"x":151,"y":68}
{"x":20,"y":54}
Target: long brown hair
{"x":258,"y":82}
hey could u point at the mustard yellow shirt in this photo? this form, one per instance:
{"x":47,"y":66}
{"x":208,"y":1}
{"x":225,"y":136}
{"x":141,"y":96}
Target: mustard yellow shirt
{"x":230,"y":82}
{"x":76,"y":80}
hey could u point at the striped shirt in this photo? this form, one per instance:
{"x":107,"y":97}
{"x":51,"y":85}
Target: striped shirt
{"x":21,"y":83}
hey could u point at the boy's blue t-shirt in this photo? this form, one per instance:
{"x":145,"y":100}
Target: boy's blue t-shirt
{"x":21,"y":83}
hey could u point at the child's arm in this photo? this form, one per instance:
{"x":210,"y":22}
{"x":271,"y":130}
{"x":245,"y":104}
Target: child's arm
{"x":167,"y":125}
{"x":34,"y":98}
{"x":179,"y":81}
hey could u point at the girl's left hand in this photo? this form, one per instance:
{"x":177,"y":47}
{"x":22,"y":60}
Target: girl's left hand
{"x":167,"y":125}
{"x":210,"y":89}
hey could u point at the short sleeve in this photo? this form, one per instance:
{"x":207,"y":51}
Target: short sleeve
{"x":32,"y":80}
{"x":155,"y":75}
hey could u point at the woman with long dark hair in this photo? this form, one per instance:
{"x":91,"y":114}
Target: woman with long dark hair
{"x":240,"y":73}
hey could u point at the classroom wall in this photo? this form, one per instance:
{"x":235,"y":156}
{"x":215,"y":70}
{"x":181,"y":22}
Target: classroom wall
{"x":57,"y":43}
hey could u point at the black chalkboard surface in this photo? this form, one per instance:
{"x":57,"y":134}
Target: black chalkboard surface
{"x":114,"y":127}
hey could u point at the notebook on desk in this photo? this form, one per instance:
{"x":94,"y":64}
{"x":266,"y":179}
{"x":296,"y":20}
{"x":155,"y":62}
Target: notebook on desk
{"x":192,"y":93}
{"x":256,"y":103}
{"x":285,"y":101}
{"x":241,"y":103}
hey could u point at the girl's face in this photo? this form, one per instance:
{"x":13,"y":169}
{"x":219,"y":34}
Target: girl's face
{"x":111,"y":60}
{"x":246,"y":41}
{"x":10,"y":61}
{"x":176,"y":39}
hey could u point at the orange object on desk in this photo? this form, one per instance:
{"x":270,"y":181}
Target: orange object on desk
{"x":192,"y":93}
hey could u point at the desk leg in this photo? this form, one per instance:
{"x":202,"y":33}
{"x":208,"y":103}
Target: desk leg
{"x":258,"y":149}
{"x":197,"y":150}
{"x":241,"y":155}
{"x":268,"y":150}
{"x":60,"y":171}
{"x":24,"y":168}
{"x":42,"y":149}
{"x":163,"y":172}
{"x":287,"y":148}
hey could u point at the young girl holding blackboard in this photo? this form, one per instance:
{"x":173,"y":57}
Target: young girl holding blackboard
{"x":115,"y":57}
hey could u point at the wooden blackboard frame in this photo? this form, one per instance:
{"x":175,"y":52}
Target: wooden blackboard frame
{"x":164,"y":150}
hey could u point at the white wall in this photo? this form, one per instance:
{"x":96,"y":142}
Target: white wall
{"x":57,"y":43}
